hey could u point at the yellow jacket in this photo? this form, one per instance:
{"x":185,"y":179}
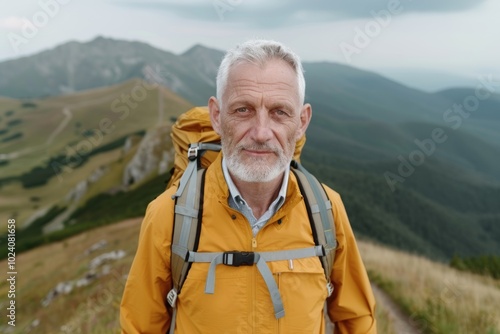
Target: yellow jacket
{"x":241,"y":302}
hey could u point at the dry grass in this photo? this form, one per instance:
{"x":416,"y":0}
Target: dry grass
{"x":439,"y":299}
{"x":91,"y":309}
{"x":384,"y":323}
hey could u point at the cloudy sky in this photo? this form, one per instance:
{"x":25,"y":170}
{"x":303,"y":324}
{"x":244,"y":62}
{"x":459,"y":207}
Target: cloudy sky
{"x":459,"y":37}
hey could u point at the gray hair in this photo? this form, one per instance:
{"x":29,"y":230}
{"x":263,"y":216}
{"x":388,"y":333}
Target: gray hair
{"x":259,"y":52}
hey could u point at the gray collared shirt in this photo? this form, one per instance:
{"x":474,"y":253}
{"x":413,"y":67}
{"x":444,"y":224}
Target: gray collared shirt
{"x":237,"y":202}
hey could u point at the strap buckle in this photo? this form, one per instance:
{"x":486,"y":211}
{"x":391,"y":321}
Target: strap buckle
{"x":193,"y":151}
{"x":236,"y":258}
{"x":329,"y":288}
{"x":172,"y":297}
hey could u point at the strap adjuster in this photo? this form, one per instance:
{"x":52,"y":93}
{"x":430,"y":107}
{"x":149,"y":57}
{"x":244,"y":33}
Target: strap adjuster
{"x":193,"y":151}
{"x":329,"y":288}
{"x":172,"y":297}
{"x":236,"y":258}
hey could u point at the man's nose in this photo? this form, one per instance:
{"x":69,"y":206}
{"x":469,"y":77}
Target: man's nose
{"x":262,"y":126}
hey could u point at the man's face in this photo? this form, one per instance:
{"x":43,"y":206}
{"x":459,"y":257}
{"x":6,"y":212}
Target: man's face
{"x":260,"y":120}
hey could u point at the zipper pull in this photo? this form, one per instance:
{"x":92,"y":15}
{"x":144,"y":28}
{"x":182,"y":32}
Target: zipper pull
{"x":254,"y":243}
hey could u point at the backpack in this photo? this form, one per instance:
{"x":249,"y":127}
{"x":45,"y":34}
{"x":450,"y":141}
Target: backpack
{"x":196,"y":145}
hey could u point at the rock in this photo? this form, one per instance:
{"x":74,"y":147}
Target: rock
{"x":106,"y":257}
{"x":128,"y":145}
{"x":61,"y":288}
{"x":81,"y":188}
{"x":64,"y":288}
{"x":98,"y":245}
{"x":154,"y":153}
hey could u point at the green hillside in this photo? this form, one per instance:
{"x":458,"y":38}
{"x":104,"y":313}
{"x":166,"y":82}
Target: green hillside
{"x":365,"y":94}
{"x":69,"y":140}
{"x":484,"y":117}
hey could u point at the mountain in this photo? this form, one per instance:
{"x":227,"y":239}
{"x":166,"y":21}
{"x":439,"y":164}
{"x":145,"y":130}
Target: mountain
{"x":414,"y":172}
{"x":76,"y":66}
{"x":427,"y":80}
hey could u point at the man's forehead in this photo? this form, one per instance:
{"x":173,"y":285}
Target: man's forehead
{"x":271,"y":65}
{"x":275,"y":73}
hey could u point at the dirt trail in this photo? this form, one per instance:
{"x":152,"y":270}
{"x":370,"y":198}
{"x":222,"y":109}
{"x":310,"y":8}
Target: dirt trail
{"x":401,"y":322}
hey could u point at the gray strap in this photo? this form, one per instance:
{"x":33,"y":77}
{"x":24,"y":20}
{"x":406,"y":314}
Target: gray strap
{"x":190,"y":170}
{"x":191,"y":195}
{"x":192,"y":164}
{"x":291,"y":254}
{"x":260,"y":259}
{"x":288,"y":254}
{"x":210,"y":284}
{"x":172,"y":321}
{"x":264,"y":271}
{"x":322,"y":208}
{"x":190,"y":212}
{"x":180,"y":250}
{"x":315,"y":208}
{"x":203,"y":257}
{"x":209,"y":146}
{"x":267,"y":275}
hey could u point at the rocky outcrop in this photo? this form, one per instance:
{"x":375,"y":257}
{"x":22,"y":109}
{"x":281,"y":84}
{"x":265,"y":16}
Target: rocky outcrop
{"x":81,"y":188}
{"x":98,"y":267}
{"x":154,"y":154}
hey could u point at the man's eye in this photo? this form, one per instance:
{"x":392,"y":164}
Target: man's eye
{"x":280,"y":112}
{"x":242,"y":110}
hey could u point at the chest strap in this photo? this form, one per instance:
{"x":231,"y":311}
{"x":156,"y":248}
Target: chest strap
{"x":236,"y":259}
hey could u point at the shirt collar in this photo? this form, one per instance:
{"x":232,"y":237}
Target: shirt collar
{"x":235,"y":194}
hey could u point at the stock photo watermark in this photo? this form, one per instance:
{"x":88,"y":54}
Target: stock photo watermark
{"x":453,"y":118}
{"x":11,"y":272}
{"x":223,"y":6}
{"x":29,"y":29}
{"x":363,"y":36}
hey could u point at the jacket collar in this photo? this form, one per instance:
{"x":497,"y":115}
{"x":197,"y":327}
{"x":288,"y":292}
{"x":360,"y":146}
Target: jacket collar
{"x":216,"y":186}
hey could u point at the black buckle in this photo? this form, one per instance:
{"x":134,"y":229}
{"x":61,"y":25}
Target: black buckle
{"x":236,"y":258}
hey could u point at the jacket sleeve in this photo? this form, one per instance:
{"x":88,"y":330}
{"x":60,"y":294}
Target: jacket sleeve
{"x":352,"y":304}
{"x":143,"y":306}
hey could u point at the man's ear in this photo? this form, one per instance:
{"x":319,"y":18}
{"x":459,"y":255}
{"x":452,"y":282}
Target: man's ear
{"x":305,"y":118}
{"x":213,"y":109}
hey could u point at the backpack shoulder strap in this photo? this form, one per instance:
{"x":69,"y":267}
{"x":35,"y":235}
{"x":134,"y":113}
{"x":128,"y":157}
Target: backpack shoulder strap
{"x":186,"y":229}
{"x":319,"y":210}
{"x":187,"y":217}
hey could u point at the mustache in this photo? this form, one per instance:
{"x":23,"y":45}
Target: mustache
{"x":258,"y":147}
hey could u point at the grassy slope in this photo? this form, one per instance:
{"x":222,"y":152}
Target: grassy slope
{"x":92,"y":309}
{"x":88,"y":109}
{"x":54,"y":192}
{"x":439,"y":297}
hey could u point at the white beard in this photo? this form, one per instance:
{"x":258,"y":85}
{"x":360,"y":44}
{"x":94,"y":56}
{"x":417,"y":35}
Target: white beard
{"x":256,"y":170}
